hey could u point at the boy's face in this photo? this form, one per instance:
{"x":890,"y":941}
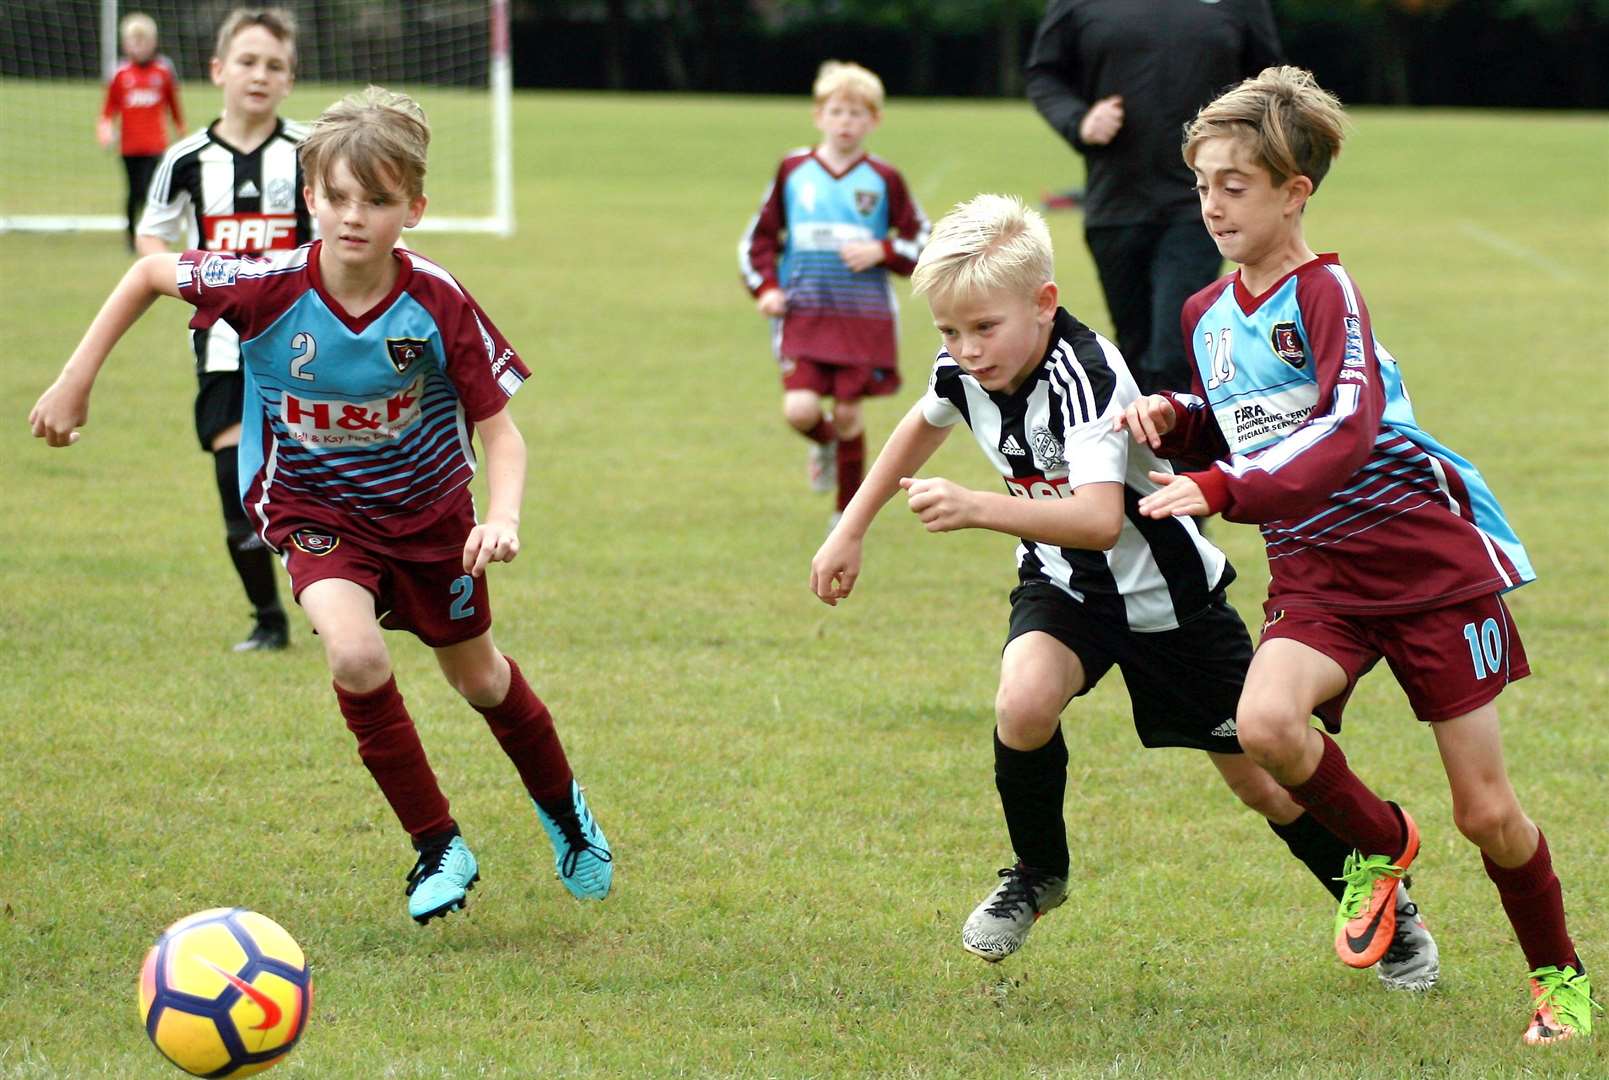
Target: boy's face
{"x":1248,"y":216}
{"x":996,"y":336}
{"x":360,"y":227}
{"x":254,"y":74}
{"x":844,"y":122}
{"x":139,"y":45}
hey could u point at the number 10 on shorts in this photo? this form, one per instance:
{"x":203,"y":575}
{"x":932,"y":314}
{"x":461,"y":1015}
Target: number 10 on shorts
{"x":1485,"y":647}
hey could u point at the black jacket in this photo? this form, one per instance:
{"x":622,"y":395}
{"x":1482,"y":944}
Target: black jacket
{"x":1167,"y":58}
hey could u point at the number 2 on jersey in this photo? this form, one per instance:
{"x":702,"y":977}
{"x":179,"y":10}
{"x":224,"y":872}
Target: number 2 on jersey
{"x":299,"y":360}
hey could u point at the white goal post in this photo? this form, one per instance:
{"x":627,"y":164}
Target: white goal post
{"x":451,"y":55}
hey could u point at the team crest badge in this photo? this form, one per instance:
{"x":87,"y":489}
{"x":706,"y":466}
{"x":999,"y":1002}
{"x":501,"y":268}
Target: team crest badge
{"x":1287,"y":345}
{"x":217,"y":271}
{"x":315,"y":543}
{"x":404,"y":351}
{"x":866,"y":201}
{"x":281,"y":195}
{"x":1048,"y":449}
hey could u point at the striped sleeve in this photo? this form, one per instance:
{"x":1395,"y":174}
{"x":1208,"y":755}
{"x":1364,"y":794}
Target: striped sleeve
{"x":1085,"y":378}
{"x":1325,"y":452}
{"x":944,"y":404}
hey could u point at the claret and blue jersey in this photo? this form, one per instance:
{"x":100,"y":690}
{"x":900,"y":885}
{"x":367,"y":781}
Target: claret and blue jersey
{"x":1317,"y":442}
{"x":363,"y":424}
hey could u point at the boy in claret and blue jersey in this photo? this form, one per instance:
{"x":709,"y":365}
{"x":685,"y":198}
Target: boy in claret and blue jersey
{"x":832,"y":226}
{"x":369,"y":371}
{"x":1382,"y":543}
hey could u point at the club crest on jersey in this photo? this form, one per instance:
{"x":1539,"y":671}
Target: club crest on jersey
{"x":1287,"y":345}
{"x":217,"y":271}
{"x":404,"y":351}
{"x":866,"y":201}
{"x":1048,"y":449}
{"x":315,"y":543}
{"x":281,"y":195}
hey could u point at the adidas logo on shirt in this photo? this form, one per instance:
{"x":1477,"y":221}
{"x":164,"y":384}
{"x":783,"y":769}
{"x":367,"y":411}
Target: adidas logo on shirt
{"x":1012,"y":448}
{"x":248,"y":190}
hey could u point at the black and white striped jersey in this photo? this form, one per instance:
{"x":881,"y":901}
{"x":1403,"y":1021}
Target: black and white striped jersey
{"x":1054,"y":435}
{"x":222,"y":199}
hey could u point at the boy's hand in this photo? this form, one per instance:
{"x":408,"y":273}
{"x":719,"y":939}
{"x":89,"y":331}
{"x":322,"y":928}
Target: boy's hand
{"x":835,"y":568}
{"x":861,"y":255}
{"x":1148,"y":419}
{"x":942,"y":506}
{"x":59,"y":410}
{"x":490,"y":541}
{"x":1179,"y":497}
{"x":1103,"y":121}
{"x":104,"y":132}
{"x":773,"y":303}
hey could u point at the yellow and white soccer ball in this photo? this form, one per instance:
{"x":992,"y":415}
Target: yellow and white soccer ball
{"x":225,"y":992}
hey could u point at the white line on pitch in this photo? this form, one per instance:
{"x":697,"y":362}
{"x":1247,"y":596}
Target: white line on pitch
{"x":1518,"y":251}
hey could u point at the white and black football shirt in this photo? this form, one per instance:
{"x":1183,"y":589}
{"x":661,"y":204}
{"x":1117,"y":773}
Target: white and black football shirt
{"x":1054,"y":435}
{"x":223,"y":199}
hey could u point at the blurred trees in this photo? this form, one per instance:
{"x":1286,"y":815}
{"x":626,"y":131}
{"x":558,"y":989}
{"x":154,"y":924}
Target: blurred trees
{"x":1477,"y":52}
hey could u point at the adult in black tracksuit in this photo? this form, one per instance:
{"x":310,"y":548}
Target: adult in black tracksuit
{"x":1118,"y":79}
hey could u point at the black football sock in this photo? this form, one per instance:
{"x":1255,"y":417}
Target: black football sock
{"x":1032,"y":785}
{"x":1320,"y":850}
{"x":253,"y":562}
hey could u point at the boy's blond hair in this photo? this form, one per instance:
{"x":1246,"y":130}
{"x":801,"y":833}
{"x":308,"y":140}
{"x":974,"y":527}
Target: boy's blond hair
{"x":381,"y":135}
{"x":136,"y":22}
{"x":851,"y":80}
{"x":988,"y":242}
{"x":1291,"y":125}
{"x":277,"y":21}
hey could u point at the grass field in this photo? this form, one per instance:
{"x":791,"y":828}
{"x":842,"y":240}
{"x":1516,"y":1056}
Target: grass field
{"x":800,"y":798}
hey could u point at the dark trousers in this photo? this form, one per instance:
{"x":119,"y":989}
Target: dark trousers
{"x":140,"y":170}
{"x":1147,"y":273}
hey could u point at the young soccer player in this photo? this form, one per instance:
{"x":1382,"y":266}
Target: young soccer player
{"x":1381,"y":541}
{"x":140,"y":96}
{"x":369,"y":370}
{"x":1098,"y":585}
{"x":236,"y":186}
{"x":816,"y":257}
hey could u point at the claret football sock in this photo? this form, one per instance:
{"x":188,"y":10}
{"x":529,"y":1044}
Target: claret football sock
{"x":1534,"y":902}
{"x":524,"y":729}
{"x":390,"y":748}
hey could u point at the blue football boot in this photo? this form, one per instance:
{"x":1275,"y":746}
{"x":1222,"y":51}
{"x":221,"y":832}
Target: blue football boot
{"x":441,"y":879}
{"x":581,"y":855}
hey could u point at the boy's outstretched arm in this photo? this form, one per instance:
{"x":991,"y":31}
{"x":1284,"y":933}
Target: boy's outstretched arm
{"x":497,"y":538}
{"x":64,"y":406}
{"x":1090,"y":517}
{"x":837,"y":564}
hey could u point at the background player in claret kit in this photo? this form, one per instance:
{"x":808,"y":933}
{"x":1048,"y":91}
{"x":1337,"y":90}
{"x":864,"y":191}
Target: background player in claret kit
{"x":140,"y":96}
{"x":1381,"y":541}
{"x":370,"y":369}
{"x":1097,"y":587}
{"x":816,"y":257}
{"x":236,"y":186}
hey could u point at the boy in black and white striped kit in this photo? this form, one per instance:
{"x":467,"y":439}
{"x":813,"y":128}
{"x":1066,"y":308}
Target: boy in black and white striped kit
{"x":236,"y":186}
{"x":1099,"y":584}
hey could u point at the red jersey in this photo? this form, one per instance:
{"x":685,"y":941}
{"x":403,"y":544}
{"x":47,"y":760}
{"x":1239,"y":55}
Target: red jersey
{"x":142,"y":95}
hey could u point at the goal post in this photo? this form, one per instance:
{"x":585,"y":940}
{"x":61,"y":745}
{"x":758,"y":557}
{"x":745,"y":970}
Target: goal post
{"x":450,"y":55}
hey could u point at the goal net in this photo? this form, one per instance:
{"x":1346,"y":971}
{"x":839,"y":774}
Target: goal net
{"x":450,"y":55}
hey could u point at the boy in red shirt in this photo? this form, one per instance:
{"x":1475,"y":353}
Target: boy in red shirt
{"x":140,"y":94}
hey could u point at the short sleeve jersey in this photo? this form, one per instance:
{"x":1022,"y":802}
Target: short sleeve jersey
{"x":1316,"y":441}
{"x":360,"y":425}
{"x":1053,"y":435}
{"x":835,"y":315}
{"x":140,"y":97}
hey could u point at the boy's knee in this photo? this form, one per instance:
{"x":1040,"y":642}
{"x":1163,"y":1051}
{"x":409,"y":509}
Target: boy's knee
{"x":484,"y":688}
{"x":848,"y":420}
{"x":1026,"y":716}
{"x":801,"y":413}
{"x":1262,"y":793}
{"x":1491,"y":824}
{"x":358,"y":666}
{"x":1270,"y":728}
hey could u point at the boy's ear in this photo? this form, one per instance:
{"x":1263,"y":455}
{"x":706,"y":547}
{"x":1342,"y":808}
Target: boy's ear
{"x":215,"y":69}
{"x":1297,"y":190}
{"x":416,"y":210}
{"x":1046,"y":300}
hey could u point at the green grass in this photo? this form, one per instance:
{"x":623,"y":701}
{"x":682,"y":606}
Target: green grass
{"x":800,"y":797}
